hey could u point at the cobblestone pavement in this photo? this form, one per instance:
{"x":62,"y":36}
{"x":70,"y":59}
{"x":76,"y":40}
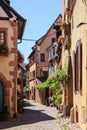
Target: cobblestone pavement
{"x":37,"y":117}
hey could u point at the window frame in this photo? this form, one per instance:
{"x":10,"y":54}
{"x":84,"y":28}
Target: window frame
{"x":4,"y":30}
{"x":77,"y":67}
{"x":42,"y":57}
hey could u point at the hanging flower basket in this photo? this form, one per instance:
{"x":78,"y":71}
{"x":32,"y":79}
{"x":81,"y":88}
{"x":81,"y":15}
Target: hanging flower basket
{"x":3,"y":50}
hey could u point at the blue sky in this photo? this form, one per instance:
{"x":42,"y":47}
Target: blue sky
{"x":40,"y":15}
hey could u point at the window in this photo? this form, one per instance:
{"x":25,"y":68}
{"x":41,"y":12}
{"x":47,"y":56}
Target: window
{"x":34,"y":73}
{"x":48,"y":54}
{"x":53,"y":51}
{"x":42,"y":57}
{"x":77,"y":67}
{"x":2,"y":37}
{"x":43,"y":74}
{"x":53,"y":40}
{"x":33,"y":58}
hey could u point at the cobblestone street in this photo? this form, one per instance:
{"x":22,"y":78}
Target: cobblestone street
{"x":36,"y":117}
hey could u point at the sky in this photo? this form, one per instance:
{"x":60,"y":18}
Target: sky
{"x":39,"y":15}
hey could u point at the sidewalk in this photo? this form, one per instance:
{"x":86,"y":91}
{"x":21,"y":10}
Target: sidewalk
{"x":38,"y":117}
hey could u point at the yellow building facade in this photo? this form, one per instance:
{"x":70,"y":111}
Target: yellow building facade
{"x":78,"y":52}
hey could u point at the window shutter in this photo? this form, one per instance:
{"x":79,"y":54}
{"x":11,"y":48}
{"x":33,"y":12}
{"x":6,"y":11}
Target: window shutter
{"x":74,"y":69}
{"x":77,"y":88}
{"x":79,"y":66}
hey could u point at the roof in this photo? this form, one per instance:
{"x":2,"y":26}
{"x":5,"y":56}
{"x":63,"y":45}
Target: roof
{"x":14,"y":16}
{"x":22,"y":66}
{"x":35,"y":46}
{"x":40,"y":40}
{"x":31,"y":54}
{"x":50,"y":28}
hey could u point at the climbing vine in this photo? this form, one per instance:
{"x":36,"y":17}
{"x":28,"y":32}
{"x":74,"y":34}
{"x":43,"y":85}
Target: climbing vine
{"x":56,"y":82}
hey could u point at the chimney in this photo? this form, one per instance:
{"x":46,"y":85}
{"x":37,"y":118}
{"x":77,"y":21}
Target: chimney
{"x":8,"y":2}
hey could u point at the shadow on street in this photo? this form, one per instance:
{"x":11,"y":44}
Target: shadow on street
{"x":29,"y":116}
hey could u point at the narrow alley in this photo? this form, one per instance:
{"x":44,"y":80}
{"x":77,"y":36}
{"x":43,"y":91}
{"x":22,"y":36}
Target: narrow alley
{"x":36,"y":117}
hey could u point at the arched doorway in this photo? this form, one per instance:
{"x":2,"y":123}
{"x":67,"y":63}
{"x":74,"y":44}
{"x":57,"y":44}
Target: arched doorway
{"x":1,"y":96}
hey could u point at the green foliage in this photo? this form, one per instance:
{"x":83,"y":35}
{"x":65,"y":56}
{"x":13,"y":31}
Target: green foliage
{"x":62,"y":76}
{"x":43,"y":85}
{"x":57,"y":99}
{"x":55,"y":82}
{"x":57,"y":79}
{"x":61,"y":124}
{"x":25,"y":89}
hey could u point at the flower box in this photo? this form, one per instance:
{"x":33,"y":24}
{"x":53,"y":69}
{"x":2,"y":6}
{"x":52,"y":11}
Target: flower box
{"x":3,"y":50}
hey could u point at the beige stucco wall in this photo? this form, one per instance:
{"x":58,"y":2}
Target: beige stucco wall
{"x":79,"y":15}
